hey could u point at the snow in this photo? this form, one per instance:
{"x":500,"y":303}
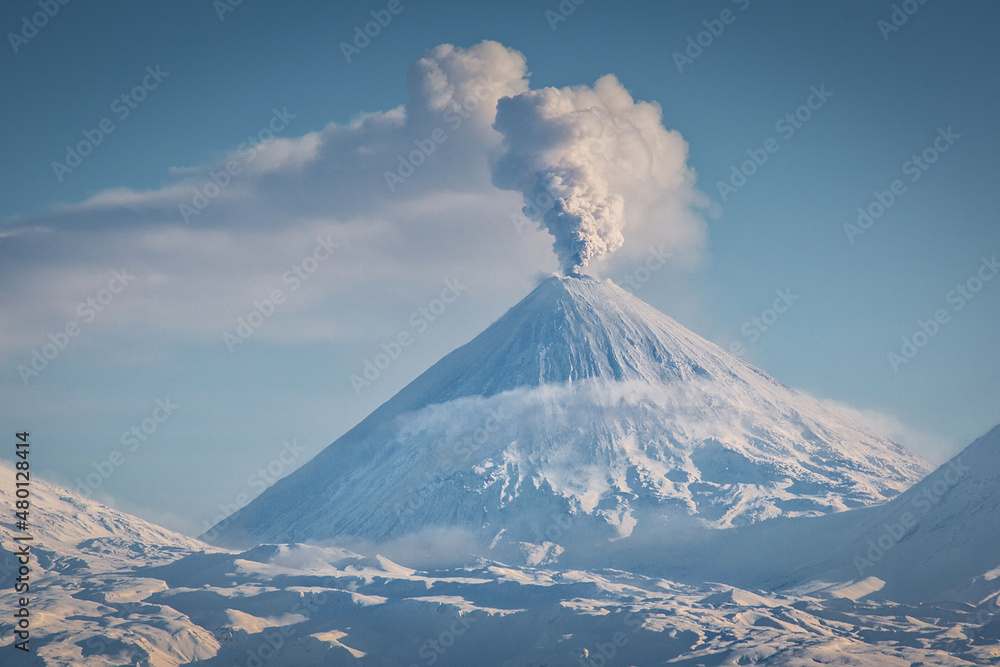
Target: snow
{"x":952,"y":550}
{"x":583,"y":430}
{"x":581,"y":406}
{"x":157,"y":598}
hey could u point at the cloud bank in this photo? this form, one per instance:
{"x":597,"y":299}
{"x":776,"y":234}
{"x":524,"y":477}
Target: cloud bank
{"x":407,"y":194}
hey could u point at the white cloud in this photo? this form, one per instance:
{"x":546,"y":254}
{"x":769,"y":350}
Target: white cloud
{"x":933,"y":447}
{"x":406,"y":193}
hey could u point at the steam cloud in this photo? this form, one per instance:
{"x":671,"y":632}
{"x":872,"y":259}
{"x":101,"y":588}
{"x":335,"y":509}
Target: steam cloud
{"x":581,"y":156}
{"x":584,"y":158}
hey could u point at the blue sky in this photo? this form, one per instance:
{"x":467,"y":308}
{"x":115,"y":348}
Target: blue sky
{"x":280,"y":67}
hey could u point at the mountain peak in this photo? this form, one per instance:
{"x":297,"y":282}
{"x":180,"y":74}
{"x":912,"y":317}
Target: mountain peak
{"x":571,"y":328}
{"x":581,"y":401}
{"x":567,"y":329}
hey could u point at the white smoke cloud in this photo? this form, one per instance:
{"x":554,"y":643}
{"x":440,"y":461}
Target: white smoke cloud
{"x":607,"y":155}
{"x":585,"y":159}
{"x":197,"y":274}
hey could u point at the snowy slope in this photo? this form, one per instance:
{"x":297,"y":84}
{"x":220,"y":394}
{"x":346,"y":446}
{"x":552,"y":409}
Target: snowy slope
{"x":937,"y":542}
{"x":70,"y":531}
{"x":300,"y":605}
{"x":84,"y":584}
{"x":581,"y":406}
{"x":330,"y":606}
{"x":115,"y":590}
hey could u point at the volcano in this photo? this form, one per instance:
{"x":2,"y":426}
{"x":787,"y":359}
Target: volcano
{"x":582,"y":410}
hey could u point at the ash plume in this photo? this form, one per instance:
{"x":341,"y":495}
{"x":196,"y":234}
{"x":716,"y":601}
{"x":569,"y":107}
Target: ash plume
{"x":585,"y":159}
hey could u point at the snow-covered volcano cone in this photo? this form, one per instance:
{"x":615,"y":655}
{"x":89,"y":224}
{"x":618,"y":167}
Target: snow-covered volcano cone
{"x":581,"y":407}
